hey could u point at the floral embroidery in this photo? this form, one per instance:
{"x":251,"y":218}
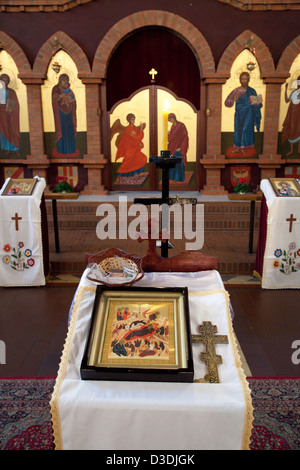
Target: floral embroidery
{"x":16,"y":258}
{"x":288,"y":263}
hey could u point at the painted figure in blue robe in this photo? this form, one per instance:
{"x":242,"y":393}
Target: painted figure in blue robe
{"x":119,"y":348}
{"x":178,"y":144}
{"x":64,"y":109}
{"x":247,"y":114}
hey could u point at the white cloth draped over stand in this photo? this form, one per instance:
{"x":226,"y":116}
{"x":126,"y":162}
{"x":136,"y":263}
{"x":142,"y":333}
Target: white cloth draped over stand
{"x":21,"y":248}
{"x":114,"y":415}
{"x":281,"y":265}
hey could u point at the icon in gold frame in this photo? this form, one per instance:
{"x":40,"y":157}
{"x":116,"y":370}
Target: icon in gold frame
{"x":19,"y":187}
{"x":285,"y":187}
{"x":139,"y":334}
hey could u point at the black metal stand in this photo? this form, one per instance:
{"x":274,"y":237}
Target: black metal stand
{"x":164,"y":162}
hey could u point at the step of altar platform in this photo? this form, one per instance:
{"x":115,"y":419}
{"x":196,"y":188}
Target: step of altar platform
{"x":226,"y":234}
{"x":230,"y":247}
{"x":219,"y":215}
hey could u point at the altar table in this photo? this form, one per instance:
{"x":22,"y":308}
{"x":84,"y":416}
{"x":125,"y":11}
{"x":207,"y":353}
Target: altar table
{"x":22,"y":238}
{"x":112,"y":415}
{"x":277,"y":262}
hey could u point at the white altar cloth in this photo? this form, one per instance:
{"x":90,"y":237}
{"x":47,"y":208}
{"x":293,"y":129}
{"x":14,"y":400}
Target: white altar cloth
{"x":281,"y":264}
{"x":112,"y":415}
{"x":21,"y":248}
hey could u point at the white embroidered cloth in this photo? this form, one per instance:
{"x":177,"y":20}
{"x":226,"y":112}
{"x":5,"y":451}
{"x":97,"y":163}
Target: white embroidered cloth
{"x":21,"y":248}
{"x":281,"y":266}
{"x":112,"y":415}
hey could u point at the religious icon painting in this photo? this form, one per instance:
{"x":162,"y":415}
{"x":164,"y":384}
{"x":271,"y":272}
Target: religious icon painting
{"x":180,"y":138}
{"x":19,"y":187}
{"x":285,"y":187}
{"x":139,"y":334}
{"x":13,"y":172}
{"x":240,"y":174}
{"x":243,"y":97}
{"x":129,"y":142}
{"x":140,"y":129}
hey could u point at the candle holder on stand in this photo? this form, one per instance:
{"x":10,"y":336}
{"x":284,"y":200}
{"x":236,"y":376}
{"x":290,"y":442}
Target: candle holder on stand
{"x":165,"y":154}
{"x":164,"y":161}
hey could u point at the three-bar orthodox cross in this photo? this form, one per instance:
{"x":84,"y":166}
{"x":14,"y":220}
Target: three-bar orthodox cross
{"x":209,"y":338}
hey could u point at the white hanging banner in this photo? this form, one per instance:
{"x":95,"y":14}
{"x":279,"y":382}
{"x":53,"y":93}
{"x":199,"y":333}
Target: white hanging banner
{"x":21,"y":248}
{"x":281,"y":267}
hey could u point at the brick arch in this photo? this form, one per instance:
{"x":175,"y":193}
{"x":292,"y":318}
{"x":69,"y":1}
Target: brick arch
{"x":288,"y":56}
{"x":60,"y":41}
{"x":15,"y":51}
{"x":141,"y":19}
{"x":262,"y":54}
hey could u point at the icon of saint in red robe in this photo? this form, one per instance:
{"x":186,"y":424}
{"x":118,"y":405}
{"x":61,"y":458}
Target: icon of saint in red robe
{"x":130,"y":145}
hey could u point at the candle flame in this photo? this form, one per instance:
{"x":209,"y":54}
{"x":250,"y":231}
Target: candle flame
{"x":166,"y":106}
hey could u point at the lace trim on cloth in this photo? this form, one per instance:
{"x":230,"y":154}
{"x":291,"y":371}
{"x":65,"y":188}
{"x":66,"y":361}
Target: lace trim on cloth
{"x":248,"y":420}
{"x":54,"y":408}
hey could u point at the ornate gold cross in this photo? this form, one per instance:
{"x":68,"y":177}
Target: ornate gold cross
{"x":209,"y":338}
{"x":16,"y":218}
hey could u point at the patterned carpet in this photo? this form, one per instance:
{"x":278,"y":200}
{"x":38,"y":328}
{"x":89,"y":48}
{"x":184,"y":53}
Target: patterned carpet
{"x":276,"y":404}
{"x":25,"y":422}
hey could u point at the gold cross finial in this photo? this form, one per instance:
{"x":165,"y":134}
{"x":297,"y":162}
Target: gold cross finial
{"x":153,"y":72}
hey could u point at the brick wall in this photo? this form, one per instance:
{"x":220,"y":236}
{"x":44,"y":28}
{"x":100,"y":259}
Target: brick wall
{"x":63,"y":5}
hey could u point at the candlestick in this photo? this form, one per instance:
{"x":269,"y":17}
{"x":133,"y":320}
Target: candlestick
{"x":165,"y":130}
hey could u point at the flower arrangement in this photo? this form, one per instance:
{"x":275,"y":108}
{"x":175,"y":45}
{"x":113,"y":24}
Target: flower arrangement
{"x":242,"y":186}
{"x":62,"y":185}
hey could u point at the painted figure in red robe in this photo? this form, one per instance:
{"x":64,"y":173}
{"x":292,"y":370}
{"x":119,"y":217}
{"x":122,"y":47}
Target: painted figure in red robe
{"x":291,"y":125}
{"x":130,"y":149}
